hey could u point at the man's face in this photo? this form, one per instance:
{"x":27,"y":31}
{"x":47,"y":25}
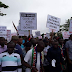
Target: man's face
{"x":2,"y":41}
{"x":40,"y":48}
{"x":10,"y":49}
{"x":61,"y":41}
{"x":55,"y":44}
{"x":20,"y":40}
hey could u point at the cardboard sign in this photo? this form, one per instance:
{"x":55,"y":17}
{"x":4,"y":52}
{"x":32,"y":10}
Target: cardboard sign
{"x":48,"y":35}
{"x":28,"y":21}
{"x":70,"y":27}
{"x":53,"y":22}
{"x":8,"y":35}
{"x":37,"y":33}
{"x":23,"y":32}
{"x":13,"y":34}
{"x":3,"y":31}
{"x":66,"y":35}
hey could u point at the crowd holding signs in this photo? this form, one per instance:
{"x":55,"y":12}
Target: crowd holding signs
{"x":28,"y":22}
{"x":40,"y":53}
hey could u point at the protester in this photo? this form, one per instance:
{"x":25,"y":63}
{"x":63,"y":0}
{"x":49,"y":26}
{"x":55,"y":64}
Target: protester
{"x":3,"y":47}
{"x":9,"y":60}
{"x":20,"y":43}
{"x":17,"y":46}
{"x":54,"y":55}
{"x":6,"y":42}
{"x":69,"y":53}
{"x":46,"y":63}
{"x":33,"y":58}
{"x":27,"y":48}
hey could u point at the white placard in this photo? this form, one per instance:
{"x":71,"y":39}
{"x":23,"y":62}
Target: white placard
{"x":66,"y":35}
{"x":37,"y":33}
{"x":48,"y":35}
{"x":53,"y":22}
{"x":23,"y":32}
{"x":70,"y":27}
{"x":28,"y":21}
{"x":3,"y":31}
{"x":8,"y":35}
{"x":13,"y":34}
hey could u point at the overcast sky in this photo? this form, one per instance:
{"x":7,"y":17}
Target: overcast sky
{"x":59,"y":8}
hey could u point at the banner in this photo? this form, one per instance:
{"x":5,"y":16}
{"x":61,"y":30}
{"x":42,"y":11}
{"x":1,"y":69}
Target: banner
{"x":66,"y":35}
{"x":53,"y":22}
{"x":28,"y":21}
{"x":3,"y":31}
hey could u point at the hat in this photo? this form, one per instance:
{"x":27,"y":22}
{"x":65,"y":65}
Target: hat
{"x":15,"y":37}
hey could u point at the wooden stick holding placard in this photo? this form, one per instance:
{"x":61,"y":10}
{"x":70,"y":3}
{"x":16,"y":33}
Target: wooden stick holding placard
{"x":29,"y":32}
{"x":51,"y":38}
{"x":15,"y":28}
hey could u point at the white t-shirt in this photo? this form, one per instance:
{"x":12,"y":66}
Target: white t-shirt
{"x":46,"y":50}
{"x":46,"y":63}
{"x":28,"y":59}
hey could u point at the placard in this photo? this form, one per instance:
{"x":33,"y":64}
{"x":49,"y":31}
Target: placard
{"x":23,"y":32}
{"x":53,"y":22}
{"x":8,"y":35}
{"x":37,"y":33}
{"x":48,"y":35}
{"x":3,"y":31}
{"x":66,"y":35}
{"x":13,"y":34}
{"x":28,"y":21}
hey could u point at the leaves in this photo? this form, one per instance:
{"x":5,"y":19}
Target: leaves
{"x":65,"y":27}
{"x":1,"y":14}
{"x":3,"y":5}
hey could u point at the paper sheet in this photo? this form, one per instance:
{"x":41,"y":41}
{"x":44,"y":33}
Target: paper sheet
{"x":53,"y":62}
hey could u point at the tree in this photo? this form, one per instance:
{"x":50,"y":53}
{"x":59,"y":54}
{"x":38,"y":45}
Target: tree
{"x":65,"y":27}
{"x":2,"y":6}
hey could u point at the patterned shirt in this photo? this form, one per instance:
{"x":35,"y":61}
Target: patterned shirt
{"x":10,"y":62}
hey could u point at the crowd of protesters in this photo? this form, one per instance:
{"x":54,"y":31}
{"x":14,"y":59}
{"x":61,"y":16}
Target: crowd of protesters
{"x":29,"y":54}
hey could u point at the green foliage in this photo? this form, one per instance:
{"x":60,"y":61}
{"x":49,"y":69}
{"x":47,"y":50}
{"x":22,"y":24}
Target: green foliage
{"x":65,"y":27}
{"x":3,"y":6}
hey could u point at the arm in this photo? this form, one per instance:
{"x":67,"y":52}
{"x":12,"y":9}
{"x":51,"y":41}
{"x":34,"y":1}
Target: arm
{"x":67,"y":49}
{"x":26,"y":59}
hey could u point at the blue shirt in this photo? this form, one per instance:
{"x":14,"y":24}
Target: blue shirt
{"x":18,"y":49}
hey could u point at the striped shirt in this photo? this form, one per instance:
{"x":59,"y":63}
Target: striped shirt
{"x":10,"y":62}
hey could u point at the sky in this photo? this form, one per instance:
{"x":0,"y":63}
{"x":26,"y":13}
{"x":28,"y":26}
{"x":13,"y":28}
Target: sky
{"x":58,"y":8}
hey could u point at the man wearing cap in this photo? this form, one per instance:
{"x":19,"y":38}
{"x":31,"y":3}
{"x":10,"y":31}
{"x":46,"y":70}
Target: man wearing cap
{"x":17,"y":46}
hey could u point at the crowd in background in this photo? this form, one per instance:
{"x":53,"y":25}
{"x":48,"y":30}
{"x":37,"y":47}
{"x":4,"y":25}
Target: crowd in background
{"x":28,"y":54}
